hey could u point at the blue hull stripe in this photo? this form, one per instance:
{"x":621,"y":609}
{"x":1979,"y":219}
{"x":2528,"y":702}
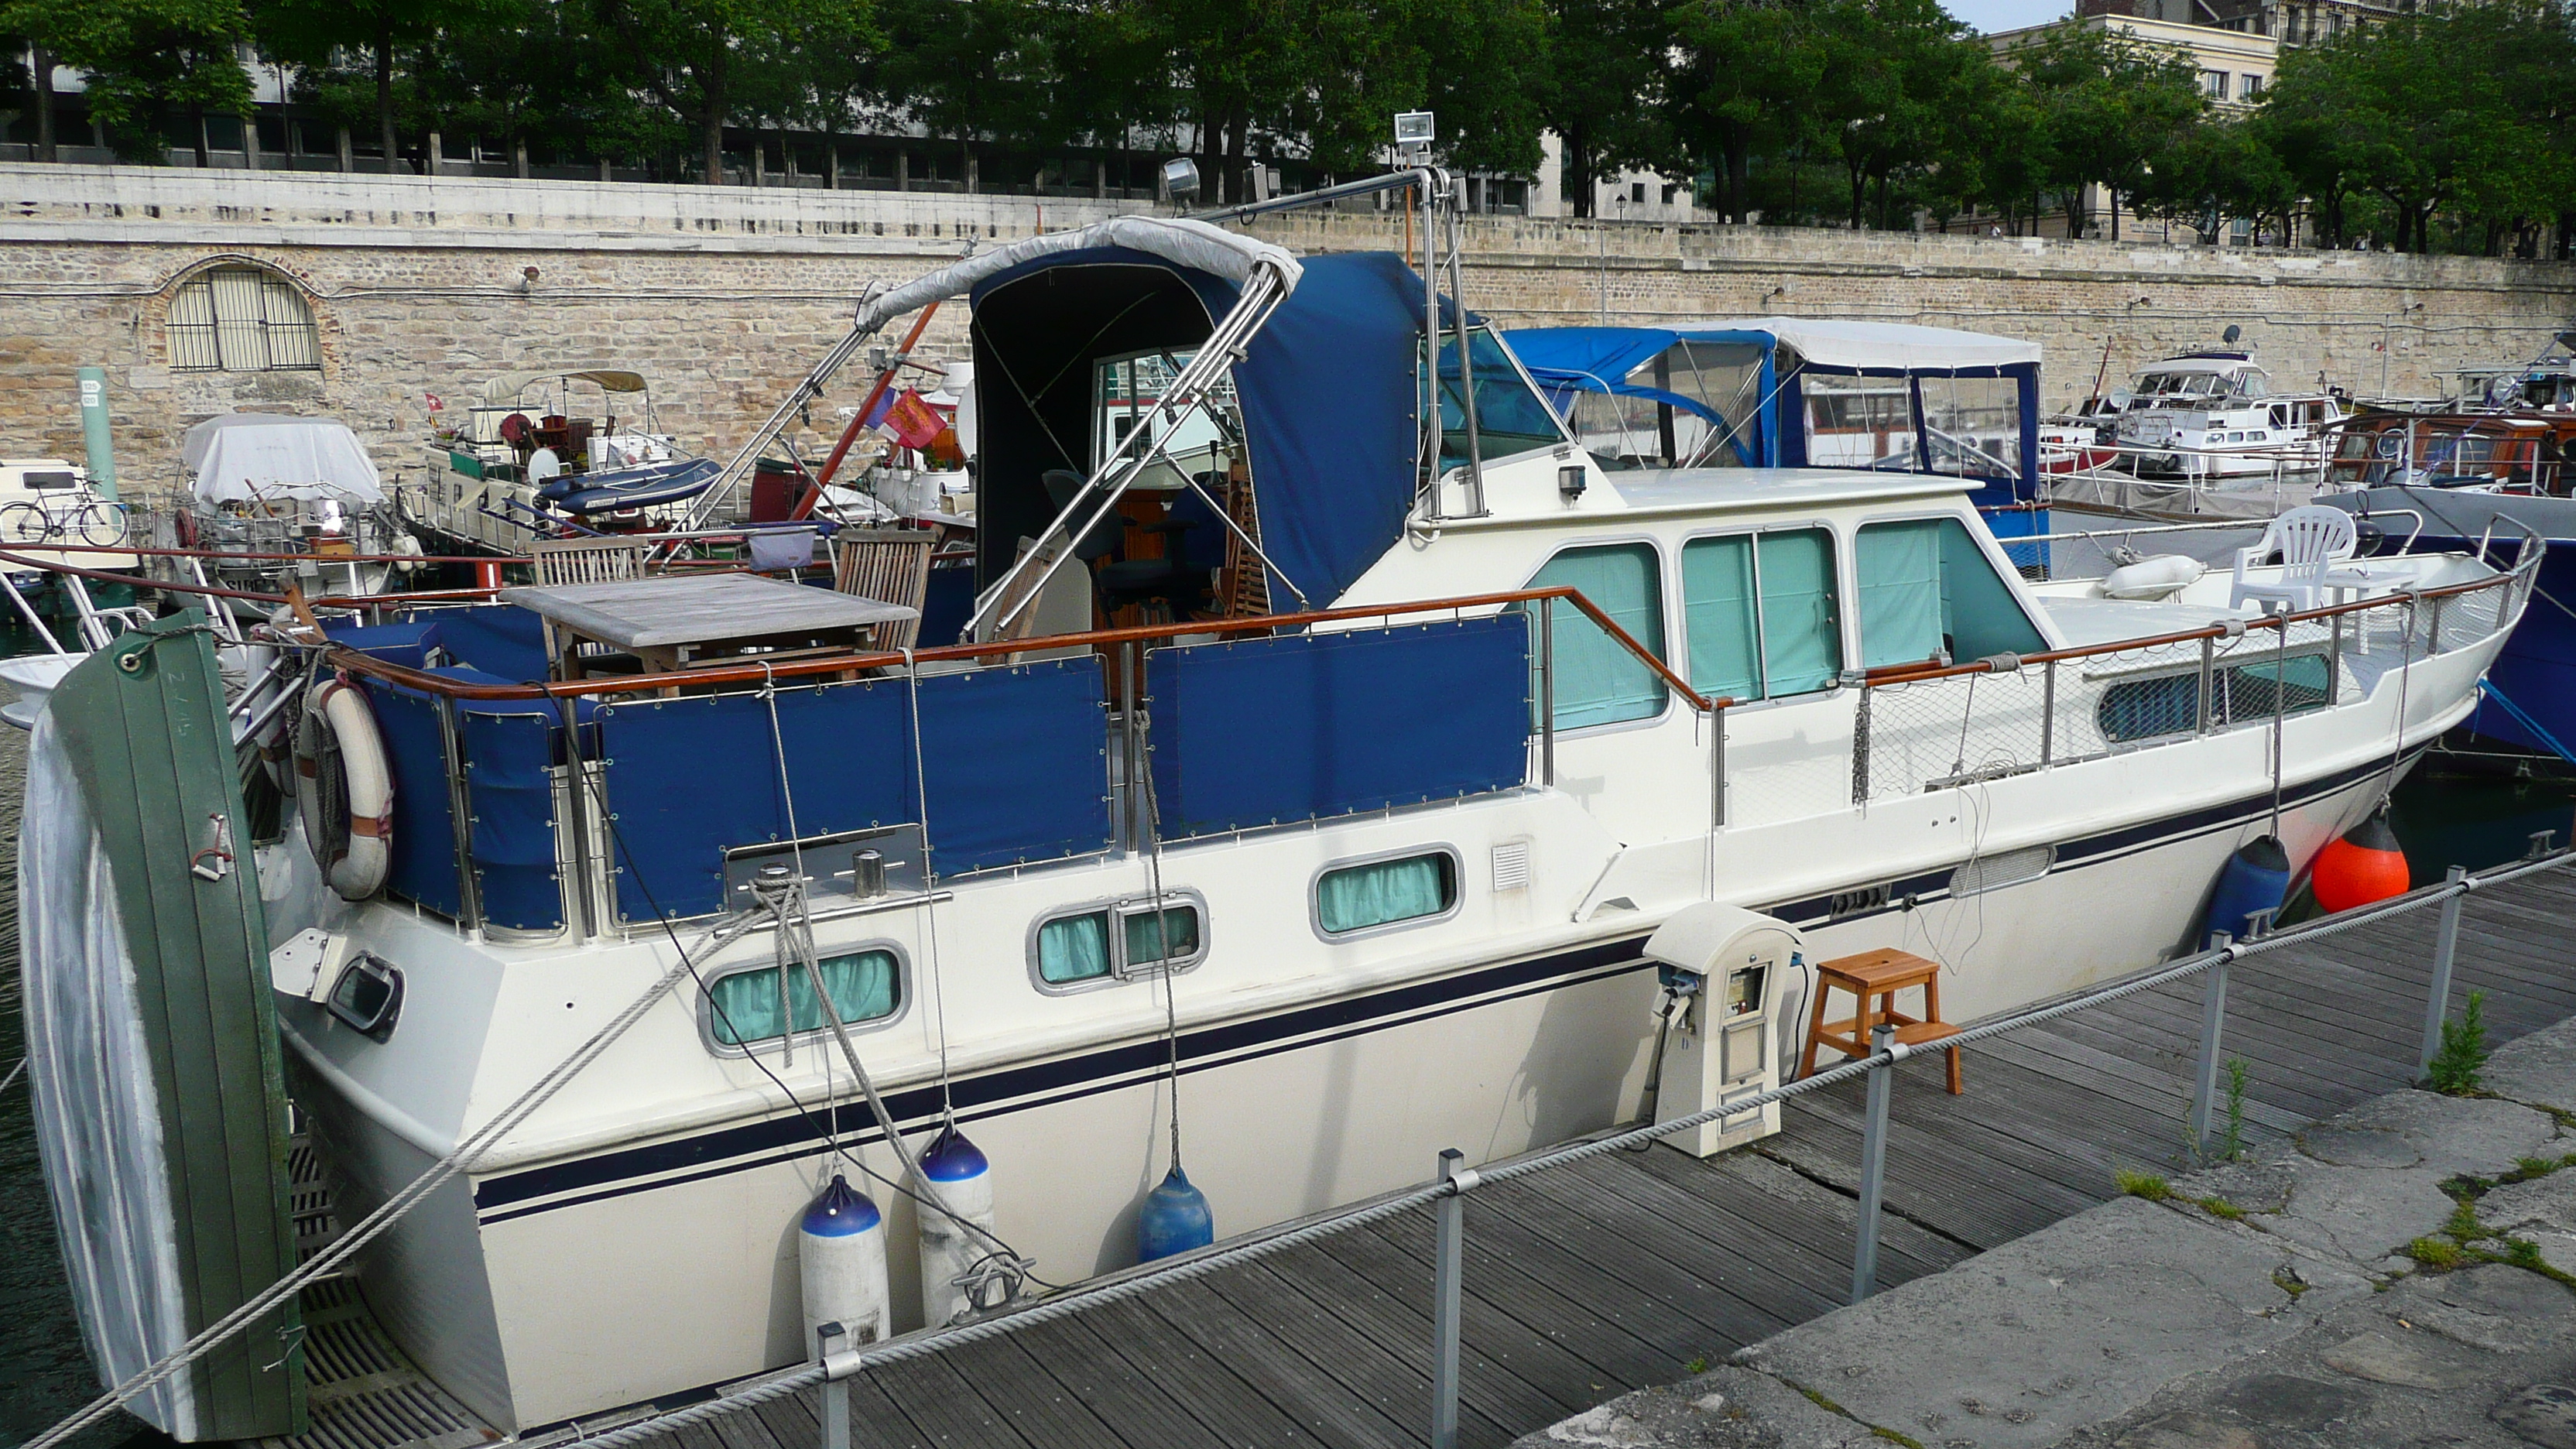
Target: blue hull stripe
{"x":792,"y":1135}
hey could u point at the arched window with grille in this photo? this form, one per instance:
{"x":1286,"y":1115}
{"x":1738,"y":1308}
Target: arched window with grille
{"x":241,"y":319}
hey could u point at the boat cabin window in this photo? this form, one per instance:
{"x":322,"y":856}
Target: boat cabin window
{"x":1759,"y":613}
{"x":1118,"y":940}
{"x":1858,"y":422}
{"x":1125,"y":395}
{"x":1598,"y":680}
{"x":1511,"y":417}
{"x":744,"y":1008}
{"x":1974,"y":424}
{"x":1374,"y":895}
{"x":1928,"y":591}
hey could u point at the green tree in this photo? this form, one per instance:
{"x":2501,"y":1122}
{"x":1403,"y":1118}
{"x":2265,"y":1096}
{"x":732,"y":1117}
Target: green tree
{"x":1746,"y":81}
{"x":1896,"y":76}
{"x":143,"y":56}
{"x":699,"y":59}
{"x":2113,"y":103}
{"x":1604,"y":95}
{"x":319,"y":36}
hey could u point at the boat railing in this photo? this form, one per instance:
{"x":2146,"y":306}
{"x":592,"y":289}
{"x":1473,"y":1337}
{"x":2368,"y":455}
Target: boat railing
{"x":1929,"y":727}
{"x":536,"y":805}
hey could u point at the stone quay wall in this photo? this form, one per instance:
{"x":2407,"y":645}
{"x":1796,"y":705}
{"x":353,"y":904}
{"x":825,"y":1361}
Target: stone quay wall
{"x":725,"y":297}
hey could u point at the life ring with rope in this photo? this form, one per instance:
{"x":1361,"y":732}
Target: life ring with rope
{"x":344,"y":789}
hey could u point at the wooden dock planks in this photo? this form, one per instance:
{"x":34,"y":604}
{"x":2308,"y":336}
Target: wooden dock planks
{"x":1626,"y":1269}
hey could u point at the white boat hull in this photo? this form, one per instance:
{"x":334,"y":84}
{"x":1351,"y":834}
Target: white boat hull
{"x":671,"y":1261}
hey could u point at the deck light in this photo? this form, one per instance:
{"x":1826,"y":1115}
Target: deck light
{"x":1181,"y":178}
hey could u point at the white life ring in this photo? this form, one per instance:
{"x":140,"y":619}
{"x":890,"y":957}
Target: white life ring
{"x":344,"y":789}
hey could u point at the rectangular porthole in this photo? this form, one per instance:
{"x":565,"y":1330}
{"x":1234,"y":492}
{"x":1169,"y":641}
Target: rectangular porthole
{"x":1117,"y":941}
{"x":746,"y":1009}
{"x":1368,"y":896}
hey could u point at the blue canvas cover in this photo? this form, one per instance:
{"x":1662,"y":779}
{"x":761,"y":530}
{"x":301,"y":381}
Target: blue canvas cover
{"x":421,"y":864}
{"x":1017,"y":773}
{"x":1327,"y":391}
{"x":1308,"y":726}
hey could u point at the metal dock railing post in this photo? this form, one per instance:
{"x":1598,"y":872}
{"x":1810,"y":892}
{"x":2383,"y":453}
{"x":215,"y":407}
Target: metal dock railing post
{"x":2446,"y":944}
{"x":1449,"y":1217}
{"x":836,"y":1387}
{"x":1873,"y":1160}
{"x":2213,"y":1016}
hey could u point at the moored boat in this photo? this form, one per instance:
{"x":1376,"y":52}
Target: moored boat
{"x":1350,"y":859}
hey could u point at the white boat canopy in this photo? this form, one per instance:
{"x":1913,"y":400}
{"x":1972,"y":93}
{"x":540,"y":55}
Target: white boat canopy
{"x":246,"y":457}
{"x":1210,"y":249}
{"x":1833,"y":343}
{"x":509,"y":385}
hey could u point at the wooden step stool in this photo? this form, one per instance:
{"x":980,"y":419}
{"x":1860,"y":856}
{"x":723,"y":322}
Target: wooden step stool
{"x":1873,"y":978}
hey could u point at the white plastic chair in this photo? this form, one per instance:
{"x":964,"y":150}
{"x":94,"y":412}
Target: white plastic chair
{"x":2311,"y":541}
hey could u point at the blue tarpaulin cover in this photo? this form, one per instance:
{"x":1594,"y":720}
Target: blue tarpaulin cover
{"x":512,"y":747}
{"x":1016,"y":772}
{"x":499,"y":639}
{"x":1327,"y":391}
{"x":1306,"y":726}
{"x":422,"y":859}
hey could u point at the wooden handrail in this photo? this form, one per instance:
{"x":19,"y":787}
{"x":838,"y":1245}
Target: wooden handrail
{"x":358,"y":663}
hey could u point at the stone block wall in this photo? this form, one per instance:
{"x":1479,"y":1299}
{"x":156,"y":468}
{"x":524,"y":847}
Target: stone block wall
{"x":724,"y":297}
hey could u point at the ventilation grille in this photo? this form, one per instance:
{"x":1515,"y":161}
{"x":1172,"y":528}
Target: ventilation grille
{"x":1512,"y":866}
{"x":1994,"y":872}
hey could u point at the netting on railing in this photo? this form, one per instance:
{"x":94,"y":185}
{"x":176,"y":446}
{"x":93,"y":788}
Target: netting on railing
{"x":1931,"y":734}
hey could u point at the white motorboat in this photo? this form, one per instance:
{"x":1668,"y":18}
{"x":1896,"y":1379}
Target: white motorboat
{"x":2204,"y":435}
{"x":1357,"y":874}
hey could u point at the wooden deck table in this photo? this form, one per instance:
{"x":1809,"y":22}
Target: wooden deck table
{"x":673,"y":623}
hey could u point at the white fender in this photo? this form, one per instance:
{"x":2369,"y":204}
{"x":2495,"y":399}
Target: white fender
{"x":2153,"y":578}
{"x":356,"y":852}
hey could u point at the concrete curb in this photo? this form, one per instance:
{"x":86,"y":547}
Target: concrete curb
{"x":2266,"y":1302}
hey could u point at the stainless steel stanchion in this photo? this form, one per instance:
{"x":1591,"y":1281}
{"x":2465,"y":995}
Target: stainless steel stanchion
{"x":2213,"y":1015}
{"x":1449,"y":1216}
{"x":829,"y":1339}
{"x":2446,"y":945}
{"x":1873,"y":1160}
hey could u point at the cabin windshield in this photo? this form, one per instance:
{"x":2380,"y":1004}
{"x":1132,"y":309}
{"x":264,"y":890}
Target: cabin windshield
{"x":1511,"y":417}
{"x":1689,"y":406}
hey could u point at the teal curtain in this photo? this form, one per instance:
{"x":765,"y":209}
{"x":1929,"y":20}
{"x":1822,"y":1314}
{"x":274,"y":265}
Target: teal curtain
{"x":1383,"y":892}
{"x":1172,"y":935}
{"x":1074,"y":948}
{"x":1900,"y":592}
{"x":1717,"y":613}
{"x":1802,"y":647}
{"x":1978,"y":610}
{"x":1597,"y":680}
{"x":865,"y":986}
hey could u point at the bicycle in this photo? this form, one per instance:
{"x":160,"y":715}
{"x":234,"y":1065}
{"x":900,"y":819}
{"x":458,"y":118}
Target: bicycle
{"x":83,"y":518}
